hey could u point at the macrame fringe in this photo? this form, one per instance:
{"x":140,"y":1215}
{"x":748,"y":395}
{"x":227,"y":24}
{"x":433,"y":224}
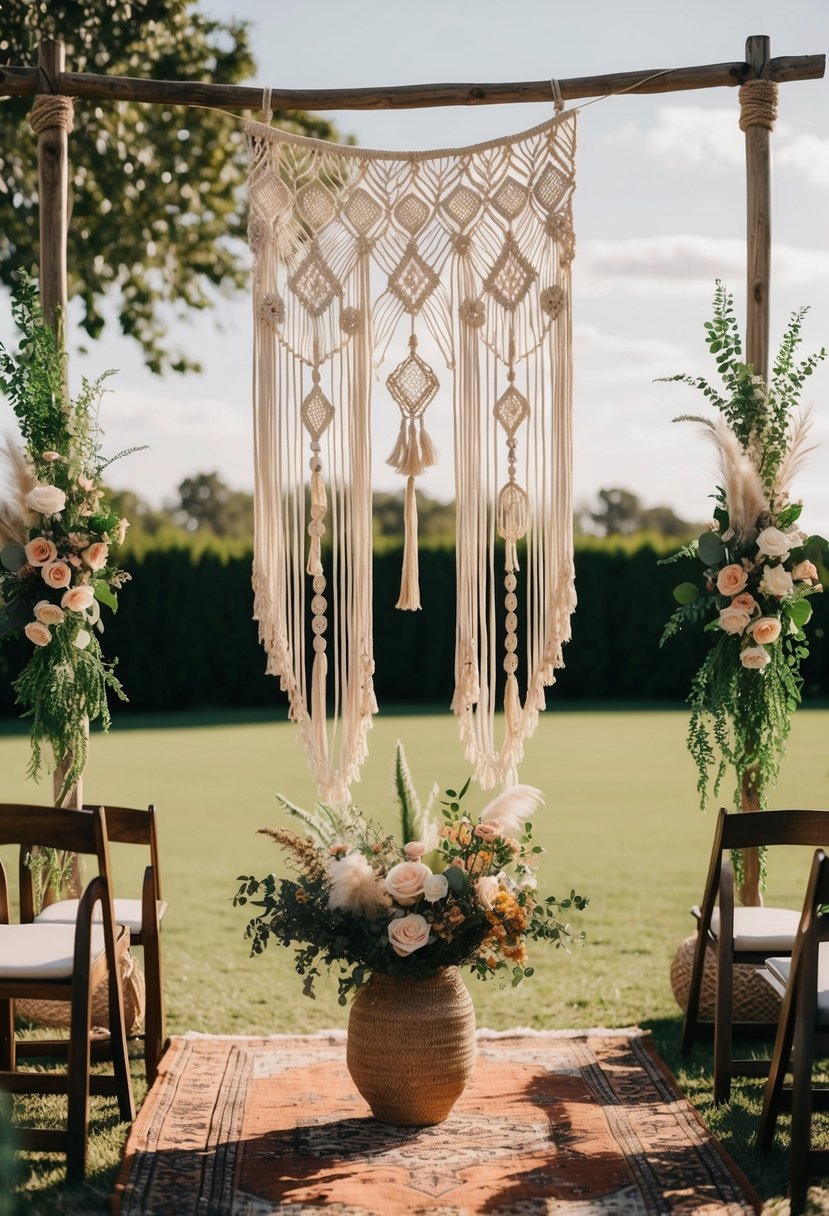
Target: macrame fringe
{"x":512,"y":708}
{"x":319,"y":505}
{"x":409,"y":600}
{"x":414,"y":451}
{"x":319,"y":674}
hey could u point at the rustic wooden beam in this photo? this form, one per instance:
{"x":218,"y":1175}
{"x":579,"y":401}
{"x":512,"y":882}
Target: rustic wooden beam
{"x":758,"y":222}
{"x":22,"y":81}
{"x":53,"y":199}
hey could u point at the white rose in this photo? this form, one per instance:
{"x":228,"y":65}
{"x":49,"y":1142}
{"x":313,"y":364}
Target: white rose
{"x":46,"y":500}
{"x":776,"y":581}
{"x":754,"y":657}
{"x":774,"y":543}
{"x":405,"y":882}
{"x":408,"y":933}
{"x":486,"y":890}
{"x":435,"y":888}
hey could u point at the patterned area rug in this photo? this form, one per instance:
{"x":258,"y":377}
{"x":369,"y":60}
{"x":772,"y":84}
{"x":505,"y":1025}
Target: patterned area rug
{"x":562,"y":1123}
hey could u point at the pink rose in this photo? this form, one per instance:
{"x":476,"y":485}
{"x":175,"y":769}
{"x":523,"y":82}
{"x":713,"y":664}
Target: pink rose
{"x":38,"y":633}
{"x":408,"y":933}
{"x":774,"y":543}
{"x":86,"y":483}
{"x":40,"y":551}
{"x":746,"y":601}
{"x":755,"y":657}
{"x":405,"y":881}
{"x":731,"y":580}
{"x":47,"y":612}
{"x":733,"y":620}
{"x":804,"y":572}
{"x":414,"y":849}
{"x":96,"y":556}
{"x":57,"y":574}
{"x":488,"y":832}
{"x":765,"y":630}
{"x":50,"y":457}
{"x":776,"y":581}
{"x":78,"y":599}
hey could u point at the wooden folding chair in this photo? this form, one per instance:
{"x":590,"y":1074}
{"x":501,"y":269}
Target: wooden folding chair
{"x":63,"y":963}
{"x":742,"y":935}
{"x":802,"y":1036}
{"x":142,"y":917}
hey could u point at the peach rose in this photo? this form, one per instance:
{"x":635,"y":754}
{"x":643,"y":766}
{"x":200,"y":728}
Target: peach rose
{"x":755,"y":657}
{"x":804,"y":572}
{"x":731,"y":580}
{"x":486,"y":890}
{"x":408,"y":933}
{"x":86,"y":483}
{"x":436,"y":887}
{"x":733,"y":620}
{"x":46,"y":500}
{"x":746,"y":601}
{"x":50,"y":457}
{"x":48,"y":613}
{"x":40,"y":551}
{"x":38,"y":633}
{"x":488,"y":831}
{"x":776,"y":581}
{"x":765,"y":630}
{"x":405,"y":881}
{"x":774,"y":543}
{"x":57,"y":574}
{"x":121,"y":531}
{"x":414,"y":849}
{"x":82,"y":639}
{"x":96,"y":556}
{"x":78,"y":599}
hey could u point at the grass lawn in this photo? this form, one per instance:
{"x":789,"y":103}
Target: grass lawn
{"x":620,"y":825}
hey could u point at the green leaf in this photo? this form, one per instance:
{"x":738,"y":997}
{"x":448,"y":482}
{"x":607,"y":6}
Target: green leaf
{"x":789,"y":514}
{"x":105,"y":595}
{"x":711,"y":549}
{"x":13,"y":556}
{"x":457,"y":878}
{"x":686,"y":593}
{"x":800,"y":612}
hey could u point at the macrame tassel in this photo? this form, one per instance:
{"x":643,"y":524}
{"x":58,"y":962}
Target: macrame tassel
{"x":319,"y":675}
{"x":410,"y":581}
{"x":511,"y":557}
{"x":512,"y":707}
{"x":399,"y":454}
{"x":413,"y":453}
{"x":428,"y":455}
{"x":513,"y":512}
{"x":316,"y":528}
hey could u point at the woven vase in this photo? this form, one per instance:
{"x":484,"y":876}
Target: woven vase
{"x":411,"y":1046}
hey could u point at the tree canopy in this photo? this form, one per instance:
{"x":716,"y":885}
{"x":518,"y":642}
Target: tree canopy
{"x":156,"y":193}
{"x":620,"y":512}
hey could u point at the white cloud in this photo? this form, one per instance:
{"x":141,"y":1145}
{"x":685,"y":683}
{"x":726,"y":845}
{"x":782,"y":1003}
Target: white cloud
{"x":810,"y":155}
{"x":693,"y":135}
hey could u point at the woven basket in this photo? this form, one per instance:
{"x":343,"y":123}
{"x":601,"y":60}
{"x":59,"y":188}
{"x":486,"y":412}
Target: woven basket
{"x":754,"y":999}
{"x":411,"y":1046}
{"x":57,"y":1013}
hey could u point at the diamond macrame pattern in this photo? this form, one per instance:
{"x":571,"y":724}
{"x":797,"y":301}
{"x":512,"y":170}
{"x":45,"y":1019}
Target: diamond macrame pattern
{"x":551,"y":188}
{"x":268,"y":193}
{"x":317,"y":412}
{"x":362,"y":211}
{"x":511,"y":409}
{"x":411,"y":213}
{"x":511,"y":277}
{"x":314,"y":284}
{"x":510,"y":198}
{"x":316,"y":206}
{"x":413,"y":384}
{"x":412,"y":280}
{"x":462,"y":205}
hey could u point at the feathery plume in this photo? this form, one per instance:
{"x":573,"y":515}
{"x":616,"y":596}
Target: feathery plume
{"x":795,"y":457}
{"x":511,"y":809}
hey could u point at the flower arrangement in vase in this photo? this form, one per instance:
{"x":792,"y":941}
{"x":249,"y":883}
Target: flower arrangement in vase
{"x":58,"y":537}
{"x":759,"y":568}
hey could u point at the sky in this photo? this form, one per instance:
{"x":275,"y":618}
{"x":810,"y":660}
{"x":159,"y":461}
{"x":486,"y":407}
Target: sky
{"x":659,"y":215}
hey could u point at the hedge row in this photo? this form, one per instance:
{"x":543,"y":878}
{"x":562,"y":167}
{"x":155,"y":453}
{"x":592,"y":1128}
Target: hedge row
{"x":185,"y":637}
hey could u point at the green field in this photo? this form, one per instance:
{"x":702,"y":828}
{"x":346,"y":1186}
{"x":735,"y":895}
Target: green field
{"x":620,"y":825}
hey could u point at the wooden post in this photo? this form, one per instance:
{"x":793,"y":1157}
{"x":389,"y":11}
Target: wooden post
{"x":758,"y":276}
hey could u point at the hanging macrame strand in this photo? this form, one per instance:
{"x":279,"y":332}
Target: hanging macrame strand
{"x":472,"y":249}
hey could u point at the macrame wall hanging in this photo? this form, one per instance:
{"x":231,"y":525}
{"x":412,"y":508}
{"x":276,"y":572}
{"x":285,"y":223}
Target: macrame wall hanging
{"x":467,"y":252}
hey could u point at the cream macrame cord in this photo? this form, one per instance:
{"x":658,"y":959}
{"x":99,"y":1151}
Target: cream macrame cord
{"x":452,"y":269}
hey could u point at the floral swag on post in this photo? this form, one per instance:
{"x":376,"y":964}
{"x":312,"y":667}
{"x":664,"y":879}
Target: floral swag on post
{"x":57,"y":536}
{"x":760,"y":568}
{"x":464,"y":893}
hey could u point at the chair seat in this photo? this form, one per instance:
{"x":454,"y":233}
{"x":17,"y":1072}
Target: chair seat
{"x":761,"y":930}
{"x":42,"y":952}
{"x":780,"y":969}
{"x":127,"y":912}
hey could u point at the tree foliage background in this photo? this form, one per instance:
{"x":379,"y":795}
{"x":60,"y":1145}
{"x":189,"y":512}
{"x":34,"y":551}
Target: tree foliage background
{"x":156,"y":193}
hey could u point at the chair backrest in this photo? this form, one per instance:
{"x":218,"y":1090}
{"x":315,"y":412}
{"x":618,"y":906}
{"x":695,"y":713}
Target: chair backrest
{"x":61,"y":828}
{"x":135,"y":825}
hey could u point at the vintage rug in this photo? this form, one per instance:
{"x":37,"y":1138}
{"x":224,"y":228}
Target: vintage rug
{"x":565,"y":1123}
